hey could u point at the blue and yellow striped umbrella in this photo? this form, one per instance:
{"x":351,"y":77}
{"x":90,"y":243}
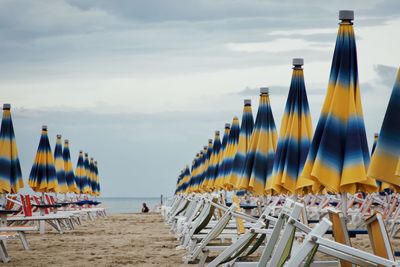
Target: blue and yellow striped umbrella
{"x":92,"y":180}
{"x":10,"y":169}
{"x":199,"y":176}
{"x":294,"y":136}
{"x":87,"y":189}
{"x":185,"y":180}
{"x":80,"y":173}
{"x":230,"y":153}
{"x":338,"y":157}
{"x":193,"y":172}
{"x":212,"y":170}
{"x":69,"y":172}
{"x":96,"y":172}
{"x":260,"y":155}
{"x":203,"y":184}
{"x":178,"y":182}
{"x":62,"y":186}
{"x":385,"y":160}
{"x":219,"y":180}
{"x":243,"y":146}
{"x":43,"y":176}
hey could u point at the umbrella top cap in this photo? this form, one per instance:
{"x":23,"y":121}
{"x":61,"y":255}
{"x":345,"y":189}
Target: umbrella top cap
{"x":44,"y":127}
{"x":264,"y":90}
{"x":376,"y":134}
{"x":58,"y":136}
{"x":346,"y":15}
{"x":298,"y":62}
{"x":6,"y":106}
{"x":210,"y":140}
{"x":247,"y":102}
{"x":216,"y":132}
{"x":227,"y":125}
{"x":66,"y":141}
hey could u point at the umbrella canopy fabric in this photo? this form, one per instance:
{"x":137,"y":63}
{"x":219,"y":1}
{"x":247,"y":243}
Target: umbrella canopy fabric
{"x":192,"y":182}
{"x":260,"y":155}
{"x":62,"y":186}
{"x":229,"y":154}
{"x":385,"y":160}
{"x":42,"y":177}
{"x":178,"y":182}
{"x":96,"y":172}
{"x":212,"y":170}
{"x":294,"y":136}
{"x":10,"y":169}
{"x":338,"y":157}
{"x":69,"y":172}
{"x":239,"y":160}
{"x":203,"y":184}
{"x":200,"y":171}
{"x":86,"y":178}
{"x":185,"y":180}
{"x":219,"y":180}
{"x":92,"y":180}
{"x":80,"y":173}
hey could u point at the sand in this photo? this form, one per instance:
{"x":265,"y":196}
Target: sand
{"x":118,"y":240}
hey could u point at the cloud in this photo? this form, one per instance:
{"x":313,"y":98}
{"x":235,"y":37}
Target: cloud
{"x":386,"y":74}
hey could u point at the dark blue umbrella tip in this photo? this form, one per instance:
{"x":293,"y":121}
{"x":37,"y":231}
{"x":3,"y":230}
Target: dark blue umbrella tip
{"x":264,"y":90}
{"x":298,"y":62}
{"x":205,"y":147}
{"x":6,"y":106}
{"x":247,"y":102}
{"x":346,"y":15}
{"x":227,"y":125}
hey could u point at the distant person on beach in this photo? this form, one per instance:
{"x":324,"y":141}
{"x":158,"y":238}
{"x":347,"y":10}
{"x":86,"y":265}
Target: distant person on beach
{"x":145,"y":209}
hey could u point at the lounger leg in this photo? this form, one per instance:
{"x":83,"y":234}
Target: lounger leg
{"x":203,"y":258}
{"x":3,"y":252}
{"x":24,"y":242}
{"x":308,"y":244}
{"x":42,"y":227}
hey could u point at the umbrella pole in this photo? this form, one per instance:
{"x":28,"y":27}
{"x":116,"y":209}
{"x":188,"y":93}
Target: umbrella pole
{"x":344,"y":204}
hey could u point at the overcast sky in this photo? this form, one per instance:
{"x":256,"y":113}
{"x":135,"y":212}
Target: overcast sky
{"x":142,"y":85}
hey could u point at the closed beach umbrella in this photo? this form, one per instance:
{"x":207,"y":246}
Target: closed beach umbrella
{"x":260,"y":155}
{"x":185,"y":180}
{"x":219,"y":180}
{"x":230,"y":152}
{"x":294,"y":136}
{"x":62,"y":186}
{"x":239,"y":160}
{"x":87,"y":189}
{"x":338,"y":157}
{"x":200,"y":172}
{"x":385,"y":160}
{"x":92,"y":180}
{"x":10,"y":168}
{"x":203,"y":184}
{"x":212,"y":170}
{"x":69,"y":172}
{"x":192,"y":181}
{"x":80,"y":173}
{"x":43,"y":176}
{"x":178,"y":182}
{"x":96,"y":171}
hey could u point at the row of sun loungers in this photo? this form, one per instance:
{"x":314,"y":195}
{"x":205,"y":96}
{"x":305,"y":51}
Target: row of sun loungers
{"x":24,"y":214}
{"x":214,"y":234}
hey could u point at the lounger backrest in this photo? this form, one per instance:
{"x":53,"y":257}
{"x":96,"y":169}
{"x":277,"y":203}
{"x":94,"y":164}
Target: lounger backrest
{"x":379,"y":237}
{"x":26,"y":205}
{"x":339,"y":230}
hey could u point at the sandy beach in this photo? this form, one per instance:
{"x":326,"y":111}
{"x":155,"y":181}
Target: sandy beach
{"x":118,"y":240}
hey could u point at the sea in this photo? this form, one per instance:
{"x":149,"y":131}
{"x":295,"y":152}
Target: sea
{"x":129,"y":204}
